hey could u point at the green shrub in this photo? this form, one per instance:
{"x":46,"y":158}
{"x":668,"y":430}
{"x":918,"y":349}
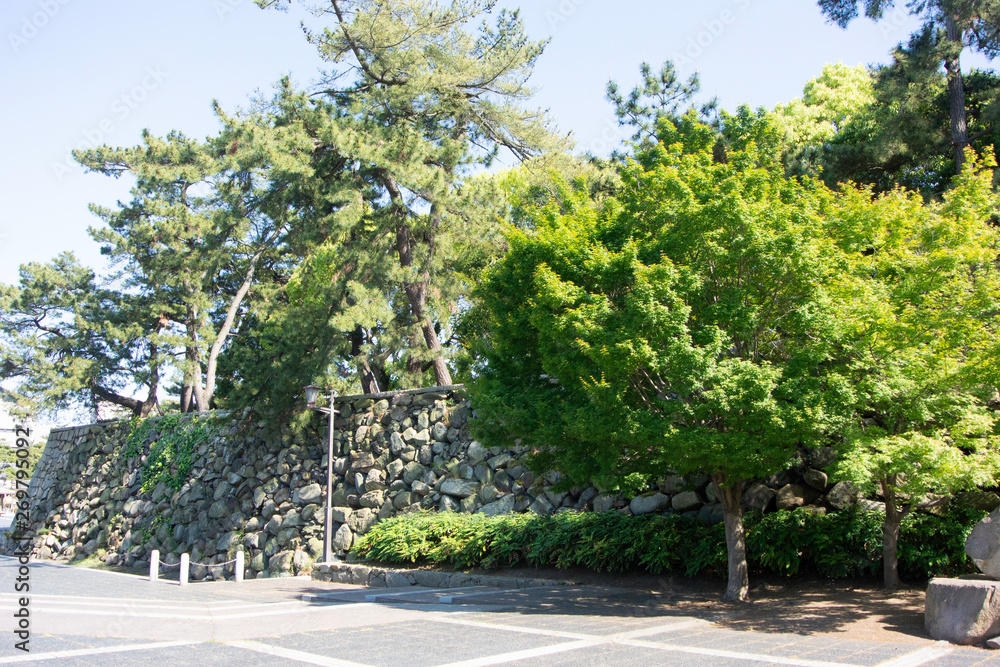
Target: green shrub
{"x":836,"y":545}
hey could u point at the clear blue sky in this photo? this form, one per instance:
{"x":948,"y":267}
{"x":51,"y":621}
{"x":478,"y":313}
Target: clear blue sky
{"x":81,"y":72}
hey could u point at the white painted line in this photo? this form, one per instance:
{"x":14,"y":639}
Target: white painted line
{"x":300,"y":656}
{"x":374,"y":597}
{"x":58,"y":599}
{"x":62,"y":655}
{"x":134,"y":613}
{"x":626,"y":639}
{"x":449,"y":599}
{"x":921,"y":657}
{"x":517,"y":628}
{"x":141,"y":604}
{"x":526,"y":654}
{"x":659,"y":629}
{"x":733,"y":655}
{"x":46,"y":563}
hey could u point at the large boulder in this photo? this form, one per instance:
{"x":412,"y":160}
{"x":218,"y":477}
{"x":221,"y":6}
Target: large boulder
{"x":842,"y":495}
{"x":686,"y":500}
{"x":962,"y":611}
{"x":460,"y":488}
{"x":983,"y":545}
{"x":758,"y":497}
{"x":793,"y":495}
{"x":649,"y":503}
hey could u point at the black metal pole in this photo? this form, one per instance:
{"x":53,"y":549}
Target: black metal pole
{"x":328,"y":523}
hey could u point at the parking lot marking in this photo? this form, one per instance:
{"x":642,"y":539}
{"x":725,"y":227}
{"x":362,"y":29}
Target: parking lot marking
{"x":291,"y":654}
{"x":733,"y":655}
{"x":515,"y":628}
{"x":449,"y":599}
{"x":376,"y":596}
{"x":526,"y":654}
{"x":626,"y":639}
{"x":75,"y":653}
{"x":921,"y":657}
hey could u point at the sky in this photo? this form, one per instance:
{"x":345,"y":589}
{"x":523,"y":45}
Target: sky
{"x":81,"y":73}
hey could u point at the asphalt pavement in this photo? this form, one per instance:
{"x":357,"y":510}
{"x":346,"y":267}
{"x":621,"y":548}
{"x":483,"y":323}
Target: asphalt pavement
{"x":89,"y":617}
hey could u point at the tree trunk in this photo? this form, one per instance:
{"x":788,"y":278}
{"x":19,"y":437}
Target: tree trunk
{"x":890,"y":536}
{"x":956,"y":96}
{"x":369,"y":382}
{"x":731,"y":496}
{"x":416,"y":292}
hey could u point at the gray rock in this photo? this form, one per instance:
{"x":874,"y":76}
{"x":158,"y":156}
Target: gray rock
{"x":711,"y":514}
{"x":439,"y":432}
{"x":362,"y":520}
{"x":842,"y":495}
{"x":504,"y":505}
{"x":285,"y":535}
{"x":962,"y":611}
{"x":394,"y":469}
{"x":218,"y":509}
{"x":342,"y":539}
{"x":790,"y":496}
{"x":822,"y":457}
{"x":649,"y":503}
{"x":603,"y":503}
{"x":986,"y":501}
{"x":307,"y":494}
{"x":460,"y":488}
{"x":280,"y":562}
{"x":477,"y":453}
{"x":340,"y":514}
{"x":541,"y":506}
{"x":983,"y":545}
{"x":758,"y":497}
{"x":448,"y":504}
{"x":413,"y":471}
{"x":686,"y":500}
{"x":817,"y":479}
{"x":671,"y":485}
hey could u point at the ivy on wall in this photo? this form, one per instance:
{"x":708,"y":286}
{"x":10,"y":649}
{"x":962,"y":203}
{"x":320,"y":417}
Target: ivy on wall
{"x":173,"y":440}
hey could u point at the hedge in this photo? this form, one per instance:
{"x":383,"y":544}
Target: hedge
{"x":835,"y":545}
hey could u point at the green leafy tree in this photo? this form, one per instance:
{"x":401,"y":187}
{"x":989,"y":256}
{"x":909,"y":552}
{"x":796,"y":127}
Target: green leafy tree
{"x":682,"y":326}
{"x":186,"y":244}
{"x":950,"y":26}
{"x":919,"y":334}
{"x":417,"y":103}
{"x":67,"y":341}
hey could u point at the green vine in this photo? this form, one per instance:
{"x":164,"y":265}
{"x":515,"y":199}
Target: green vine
{"x":175,"y":440}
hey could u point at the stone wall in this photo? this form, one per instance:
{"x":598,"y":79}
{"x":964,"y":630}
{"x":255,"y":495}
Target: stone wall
{"x":263,"y":492}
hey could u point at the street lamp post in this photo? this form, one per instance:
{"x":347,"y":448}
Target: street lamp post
{"x":312,"y":393}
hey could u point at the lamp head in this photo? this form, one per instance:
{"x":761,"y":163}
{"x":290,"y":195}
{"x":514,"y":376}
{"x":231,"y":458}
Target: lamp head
{"x":312,"y":392}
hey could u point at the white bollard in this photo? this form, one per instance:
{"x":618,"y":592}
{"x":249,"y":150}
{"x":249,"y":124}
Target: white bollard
{"x":154,"y":565}
{"x":239,"y":566}
{"x":185,"y":565}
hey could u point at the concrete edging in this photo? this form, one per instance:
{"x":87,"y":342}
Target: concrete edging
{"x":381,"y":577}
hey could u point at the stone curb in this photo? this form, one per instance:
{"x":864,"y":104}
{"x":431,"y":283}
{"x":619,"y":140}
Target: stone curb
{"x":380,"y":577}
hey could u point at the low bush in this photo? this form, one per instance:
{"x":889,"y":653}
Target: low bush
{"x":835,"y":545}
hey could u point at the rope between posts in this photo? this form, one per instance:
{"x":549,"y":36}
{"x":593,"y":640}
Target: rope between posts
{"x":165,"y":564}
{"x":214,"y":564}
